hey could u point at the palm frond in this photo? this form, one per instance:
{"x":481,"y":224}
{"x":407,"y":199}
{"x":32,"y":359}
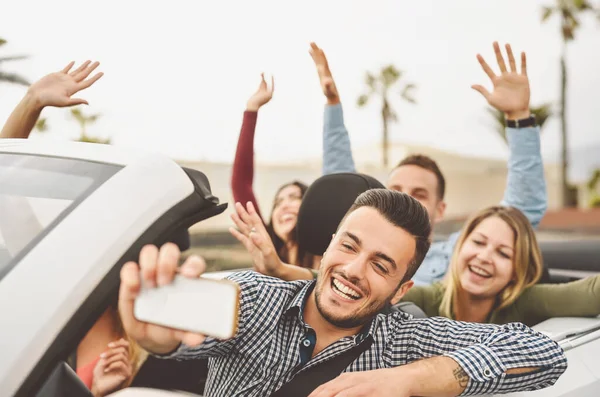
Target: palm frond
{"x":542,"y":113}
{"x":547,"y":13}
{"x":13,"y":78}
{"x":582,"y":5}
{"x":593,"y":182}
{"x":76,"y":113}
{"x":362,"y":100}
{"x":13,"y":58}
{"x":92,"y":118}
{"x":371,"y":82}
{"x":89,"y":139}
{"x":407,"y":93}
{"x":569,"y":11}
{"x":41,"y":125}
{"x":389,"y":76}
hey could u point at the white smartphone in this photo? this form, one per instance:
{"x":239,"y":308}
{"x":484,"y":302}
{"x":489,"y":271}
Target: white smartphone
{"x":204,"y":306}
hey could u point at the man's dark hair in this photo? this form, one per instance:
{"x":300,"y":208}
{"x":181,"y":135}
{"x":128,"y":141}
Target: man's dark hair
{"x":402,"y":211}
{"x":427,"y":163}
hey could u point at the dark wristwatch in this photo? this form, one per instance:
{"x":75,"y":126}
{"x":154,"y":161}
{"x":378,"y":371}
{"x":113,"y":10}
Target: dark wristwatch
{"x":522,"y":123}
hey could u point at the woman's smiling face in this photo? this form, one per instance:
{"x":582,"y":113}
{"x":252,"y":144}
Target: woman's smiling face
{"x":485,"y":260}
{"x":285,"y":211}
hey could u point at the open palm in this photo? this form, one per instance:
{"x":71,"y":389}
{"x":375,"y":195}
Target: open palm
{"x":325,"y":77}
{"x":263,"y":94}
{"x":252,"y":233}
{"x":511,"y":91}
{"x":57,"y":88}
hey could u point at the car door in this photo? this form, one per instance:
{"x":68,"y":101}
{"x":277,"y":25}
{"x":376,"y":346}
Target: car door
{"x":68,"y":274}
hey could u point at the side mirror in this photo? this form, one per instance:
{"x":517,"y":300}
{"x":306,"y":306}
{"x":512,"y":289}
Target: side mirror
{"x":64,"y":382}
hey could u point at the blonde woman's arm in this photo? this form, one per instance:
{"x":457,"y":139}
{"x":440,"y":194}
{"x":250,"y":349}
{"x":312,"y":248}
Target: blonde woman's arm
{"x":575,"y":299}
{"x":427,"y":298}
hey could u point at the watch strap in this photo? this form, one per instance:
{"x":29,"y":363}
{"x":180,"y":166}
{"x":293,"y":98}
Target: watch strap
{"x":522,"y":123}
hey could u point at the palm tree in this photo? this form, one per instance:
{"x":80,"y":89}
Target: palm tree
{"x":380,"y":86}
{"x":592,"y":188}
{"x":83,"y":121}
{"x":11,"y":77}
{"x":542,"y":114}
{"x":569,"y":12}
{"x":41,"y":125}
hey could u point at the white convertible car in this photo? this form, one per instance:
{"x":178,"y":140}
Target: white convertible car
{"x":72,"y":213}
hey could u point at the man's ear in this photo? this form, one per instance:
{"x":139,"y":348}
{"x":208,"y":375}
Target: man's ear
{"x":440,"y":210}
{"x":404,"y":288}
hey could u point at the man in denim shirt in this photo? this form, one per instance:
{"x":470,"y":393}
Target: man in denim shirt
{"x":420,"y":176}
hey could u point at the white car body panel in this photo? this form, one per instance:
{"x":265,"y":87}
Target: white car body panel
{"x":37,"y":302}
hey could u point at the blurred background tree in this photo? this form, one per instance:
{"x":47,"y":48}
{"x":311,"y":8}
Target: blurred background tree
{"x":380,"y":87}
{"x":7,"y":77}
{"x":569,"y":12}
{"x":84,"y":120}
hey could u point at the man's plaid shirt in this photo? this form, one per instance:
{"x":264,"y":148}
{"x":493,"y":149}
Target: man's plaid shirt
{"x":265,"y":353}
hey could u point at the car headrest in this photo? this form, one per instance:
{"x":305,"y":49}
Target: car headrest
{"x":324,"y":205}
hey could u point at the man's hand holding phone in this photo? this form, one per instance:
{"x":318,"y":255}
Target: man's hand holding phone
{"x":157,"y":268}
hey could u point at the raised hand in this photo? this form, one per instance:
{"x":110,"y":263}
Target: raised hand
{"x":113,"y":369}
{"x":156,"y":267}
{"x":57,"y":88}
{"x":325,"y":78}
{"x":262,"y":95}
{"x":252,"y":233}
{"x":511,"y":88}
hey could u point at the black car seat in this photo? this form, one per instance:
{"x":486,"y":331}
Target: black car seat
{"x":323,"y":207}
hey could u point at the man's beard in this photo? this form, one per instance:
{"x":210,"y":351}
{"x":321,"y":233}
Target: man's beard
{"x":361,"y":317}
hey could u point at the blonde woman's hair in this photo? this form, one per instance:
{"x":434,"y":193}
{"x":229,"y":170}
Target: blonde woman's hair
{"x":527,"y":258}
{"x":137,"y":355}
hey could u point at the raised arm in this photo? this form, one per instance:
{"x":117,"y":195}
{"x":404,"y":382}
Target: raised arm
{"x":251,"y":232}
{"x":526,"y":185}
{"x":337,"y":151}
{"x":242,"y":176}
{"x":54,"y":89}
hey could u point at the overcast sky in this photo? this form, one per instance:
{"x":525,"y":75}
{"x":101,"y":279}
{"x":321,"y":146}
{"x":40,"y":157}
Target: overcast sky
{"x":178,"y":73}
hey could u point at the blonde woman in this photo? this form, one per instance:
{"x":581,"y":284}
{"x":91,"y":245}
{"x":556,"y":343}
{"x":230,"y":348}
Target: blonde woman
{"x":106,"y":359}
{"x":493,"y":274}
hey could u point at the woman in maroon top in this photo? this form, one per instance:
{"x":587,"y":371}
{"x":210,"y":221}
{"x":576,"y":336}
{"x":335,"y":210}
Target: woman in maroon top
{"x":282,"y":225}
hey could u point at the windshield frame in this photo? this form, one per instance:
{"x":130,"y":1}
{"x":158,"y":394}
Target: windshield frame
{"x":100,"y":172}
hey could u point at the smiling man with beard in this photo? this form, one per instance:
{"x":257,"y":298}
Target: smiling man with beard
{"x":295,"y":338}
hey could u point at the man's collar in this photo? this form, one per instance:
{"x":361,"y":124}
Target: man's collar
{"x":296,"y":305}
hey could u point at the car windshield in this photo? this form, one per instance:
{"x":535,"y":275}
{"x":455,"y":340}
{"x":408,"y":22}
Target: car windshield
{"x":36,"y":192}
